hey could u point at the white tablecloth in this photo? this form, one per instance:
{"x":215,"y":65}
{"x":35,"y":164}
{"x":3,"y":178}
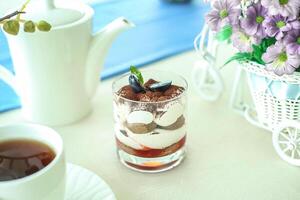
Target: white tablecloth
{"x":227,"y":158}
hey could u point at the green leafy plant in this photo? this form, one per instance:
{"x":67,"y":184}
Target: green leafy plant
{"x":12,"y":22}
{"x":256,"y":54}
{"x":224,"y":34}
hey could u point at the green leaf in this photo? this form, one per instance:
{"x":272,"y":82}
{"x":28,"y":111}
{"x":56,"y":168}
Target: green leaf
{"x":270,"y":41}
{"x":225,"y":33}
{"x":266,"y":43}
{"x":239,"y":57}
{"x":138,"y":74}
{"x":259,"y":50}
{"x":44,"y":26}
{"x":257,"y":54}
{"x":11,"y":27}
{"x":258,"y":59}
{"x":29,"y":27}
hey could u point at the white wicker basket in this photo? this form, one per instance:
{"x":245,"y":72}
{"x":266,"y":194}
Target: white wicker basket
{"x":276,"y":98}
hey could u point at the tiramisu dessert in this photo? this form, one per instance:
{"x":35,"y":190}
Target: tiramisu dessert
{"x":150,"y":122}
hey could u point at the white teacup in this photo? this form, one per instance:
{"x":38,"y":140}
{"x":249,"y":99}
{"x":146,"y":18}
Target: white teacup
{"x":46,"y":184}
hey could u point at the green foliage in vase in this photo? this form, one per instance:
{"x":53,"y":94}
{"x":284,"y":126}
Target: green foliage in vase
{"x":12,"y":22}
{"x":256,"y":54}
{"x":224,"y":34}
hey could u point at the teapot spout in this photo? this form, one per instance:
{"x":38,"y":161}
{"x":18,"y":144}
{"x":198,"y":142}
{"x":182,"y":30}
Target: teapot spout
{"x":99,"y":47}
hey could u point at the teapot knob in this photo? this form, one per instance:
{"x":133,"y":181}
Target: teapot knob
{"x":40,"y":6}
{"x":49,"y":4}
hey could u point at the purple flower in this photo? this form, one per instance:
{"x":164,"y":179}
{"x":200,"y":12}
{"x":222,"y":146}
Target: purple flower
{"x":243,"y":42}
{"x":252,"y":24}
{"x":224,"y":12}
{"x":284,"y":7}
{"x":277,"y":26}
{"x":292,"y":42}
{"x":279,"y":61}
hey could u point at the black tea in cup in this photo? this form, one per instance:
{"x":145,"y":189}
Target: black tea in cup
{"x":21,"y":158}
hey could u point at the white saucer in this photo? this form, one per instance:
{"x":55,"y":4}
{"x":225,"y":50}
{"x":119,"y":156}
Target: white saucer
{"x":83,"y":184}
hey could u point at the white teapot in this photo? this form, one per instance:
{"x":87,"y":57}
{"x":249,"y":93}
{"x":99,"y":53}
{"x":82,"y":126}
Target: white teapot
{"x":57,"y":72}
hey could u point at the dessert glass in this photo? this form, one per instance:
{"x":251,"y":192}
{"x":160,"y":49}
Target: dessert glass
{"x":151,"y":135}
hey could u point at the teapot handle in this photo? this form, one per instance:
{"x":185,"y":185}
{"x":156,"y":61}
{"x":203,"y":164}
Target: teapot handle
{"x":8,"y":78}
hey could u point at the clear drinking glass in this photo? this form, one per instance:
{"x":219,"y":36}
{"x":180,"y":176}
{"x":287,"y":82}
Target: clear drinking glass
{"x":151,"y":136}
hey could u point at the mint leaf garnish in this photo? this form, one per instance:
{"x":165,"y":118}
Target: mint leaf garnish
{"x":137,"y":73}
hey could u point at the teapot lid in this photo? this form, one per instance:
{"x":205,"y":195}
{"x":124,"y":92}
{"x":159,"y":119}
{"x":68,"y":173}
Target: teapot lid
{"x":46,"y":10}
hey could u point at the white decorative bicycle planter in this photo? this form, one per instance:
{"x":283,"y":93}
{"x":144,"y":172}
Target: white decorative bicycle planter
{"x":276,"y":98}
{"x":206,"y":77}
{"x":277,"y":103}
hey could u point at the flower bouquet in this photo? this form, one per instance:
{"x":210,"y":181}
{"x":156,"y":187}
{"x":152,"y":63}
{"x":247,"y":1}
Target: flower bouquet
{"x":266,"y":34}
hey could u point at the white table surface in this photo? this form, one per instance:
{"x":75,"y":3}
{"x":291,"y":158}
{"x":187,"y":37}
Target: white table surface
{"x":227,"y":158}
